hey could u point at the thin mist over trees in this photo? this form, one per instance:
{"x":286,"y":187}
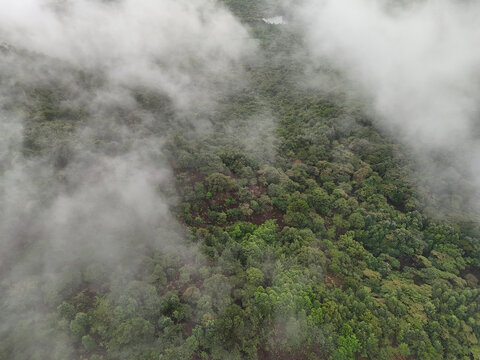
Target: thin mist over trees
{"x":184,"y":180}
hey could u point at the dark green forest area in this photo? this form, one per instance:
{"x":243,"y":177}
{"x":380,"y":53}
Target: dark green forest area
{"x":312,"y":236}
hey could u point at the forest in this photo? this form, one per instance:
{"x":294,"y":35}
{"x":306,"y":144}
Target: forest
{"x":291,"y":225}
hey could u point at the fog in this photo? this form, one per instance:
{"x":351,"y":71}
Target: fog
{"x":171,"y":46}
{"x":91,"y":183}
{"x":90,"y":91}
{"x":416,"y":63}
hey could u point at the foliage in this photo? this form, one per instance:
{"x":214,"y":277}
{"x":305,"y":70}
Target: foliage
{"x":323,"y":251}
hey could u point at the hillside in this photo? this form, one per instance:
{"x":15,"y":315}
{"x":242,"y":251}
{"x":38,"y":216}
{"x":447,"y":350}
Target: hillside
{"x":269,"y":220}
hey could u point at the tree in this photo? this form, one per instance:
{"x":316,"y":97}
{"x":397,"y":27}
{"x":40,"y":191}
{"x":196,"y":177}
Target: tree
{"x":216,"y":183}
{"x":347,"y":344}
{"x":88,"y":343}
{"x":79,"y":325}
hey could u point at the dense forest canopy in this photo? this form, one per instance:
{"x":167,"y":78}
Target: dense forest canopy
{"x":186,"y":180}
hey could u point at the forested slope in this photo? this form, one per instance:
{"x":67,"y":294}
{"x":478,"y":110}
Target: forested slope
{"x":304,"y":234}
